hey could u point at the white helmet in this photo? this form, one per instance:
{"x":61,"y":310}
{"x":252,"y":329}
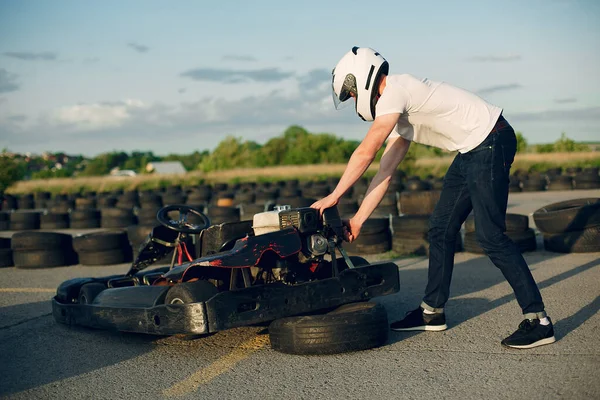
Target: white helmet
{"x":359,"y":72}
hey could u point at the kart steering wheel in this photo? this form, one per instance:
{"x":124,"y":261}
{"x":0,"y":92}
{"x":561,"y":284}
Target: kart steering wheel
{"x":182,"y":224}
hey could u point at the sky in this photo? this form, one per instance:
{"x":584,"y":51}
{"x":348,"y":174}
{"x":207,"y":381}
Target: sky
{"x":87,"y":77}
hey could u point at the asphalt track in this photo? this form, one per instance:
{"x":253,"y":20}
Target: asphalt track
{"x":41,"y":359}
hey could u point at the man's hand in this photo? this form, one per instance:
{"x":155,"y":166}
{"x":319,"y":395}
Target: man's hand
{"x":351,"y":230}
{"x":325,"y":203}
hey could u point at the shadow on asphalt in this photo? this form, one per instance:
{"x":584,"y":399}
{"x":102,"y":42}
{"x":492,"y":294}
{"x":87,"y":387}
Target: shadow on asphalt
{"x":43,"y":351}
{"x":463,"y":309}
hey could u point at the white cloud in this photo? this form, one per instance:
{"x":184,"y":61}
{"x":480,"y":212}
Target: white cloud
{"x":96,"y":116}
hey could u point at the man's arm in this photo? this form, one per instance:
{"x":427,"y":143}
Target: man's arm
{"x":395,"y":152}
{"x":365,"y":153}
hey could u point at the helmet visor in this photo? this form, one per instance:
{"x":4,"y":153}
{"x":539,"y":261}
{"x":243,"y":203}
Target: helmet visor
{"x":347,"y":91}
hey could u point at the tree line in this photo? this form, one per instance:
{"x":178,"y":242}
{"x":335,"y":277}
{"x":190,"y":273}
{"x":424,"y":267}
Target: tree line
{"x":296,"y":146}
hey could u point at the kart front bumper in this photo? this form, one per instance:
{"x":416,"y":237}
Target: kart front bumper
{"x":231,"y":309}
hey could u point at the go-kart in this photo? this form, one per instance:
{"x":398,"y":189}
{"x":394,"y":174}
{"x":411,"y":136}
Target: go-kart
{"x":283,"y":263}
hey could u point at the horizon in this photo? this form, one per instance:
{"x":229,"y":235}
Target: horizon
{"x":173,"y":78}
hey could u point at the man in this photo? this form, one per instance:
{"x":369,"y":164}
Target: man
{"x":404,"y":109}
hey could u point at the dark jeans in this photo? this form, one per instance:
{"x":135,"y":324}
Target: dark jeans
{"x":478,"y":181}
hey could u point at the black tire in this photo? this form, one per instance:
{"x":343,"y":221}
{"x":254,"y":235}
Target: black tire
{"x":419,"y":202}
{"x":6,"y":258}
{"x":4,"y":243}
{"x":526,"y":241}
{"x":568,"y":216}
{"x":584,"y":241}
{"x":191,"y":292}
{"x":100,"y":241}
{"x":351,"y":327}
{"x":370,"y":244}
{"x":587,"y":185}
{"x":55,"y":225}
{"x":105,"y":257}
{"x":375,"y":225}
{"x":25,"y":217}
{"x":85,"y":215}
{"x":24,"y":226}
{"x":411,"y":223}
{"x":533,"y":186}
{"x":23,"y":241}
{"x":89,"y":291}
{"x":514,"y":223}
{"x":560,"y":186}
{"x":40,"y":258}
{"x":85,"y":224}
{"x":113,"y":223}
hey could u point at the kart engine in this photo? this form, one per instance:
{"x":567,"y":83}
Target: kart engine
{"x":314,"y":244}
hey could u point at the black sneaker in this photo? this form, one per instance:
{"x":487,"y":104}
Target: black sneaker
{"x":416,"y":320}
{"x":530,"y":334}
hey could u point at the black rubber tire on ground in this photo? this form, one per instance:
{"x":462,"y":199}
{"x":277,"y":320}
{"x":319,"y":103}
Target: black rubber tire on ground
{"x":191,"y":292}
{"x":514,"y":223}
{"x":418,"y":202}
{"x":40,"y":258}
{"x":4,"y":243}
{"x":98,"y":241}
{"x":105,"y":257}
{"x":85,"y":224}
{"x":533,"y":185}
{"x":351,"y":327}
{"x":568,"y":216}
{"x":376,"y":243}
{"x":23,"y":241}
{"x":586,"y":185}
{"x":584,"y":241}
{"x":411,"y":223}
{"x":525,"y":240}
{"x":413,"y":243}
{"x":375,"y":225}
{"x":6,"y":258}
{"x":89,"y":291}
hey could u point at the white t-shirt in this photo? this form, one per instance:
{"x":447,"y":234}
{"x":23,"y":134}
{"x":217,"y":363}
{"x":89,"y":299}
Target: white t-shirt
{"x":436,"y":113}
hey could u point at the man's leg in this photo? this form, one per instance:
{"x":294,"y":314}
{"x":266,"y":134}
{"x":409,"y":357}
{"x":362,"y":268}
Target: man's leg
{"x":488,"y":168}
{"x":487,"y":173}
{"x":444,"y":226}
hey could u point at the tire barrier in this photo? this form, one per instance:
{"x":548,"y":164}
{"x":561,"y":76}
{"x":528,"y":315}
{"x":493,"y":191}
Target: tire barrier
{"x":571,"y":226}
{"x":6,"y":259}
{"x":410,"y":235}
{"x":24,"y":220}
{"x":375,"y":237}
{"x":42,"y":250}
{"x":418,"y":202}
{"x":517,"y":229}
{"x":103,"y":248}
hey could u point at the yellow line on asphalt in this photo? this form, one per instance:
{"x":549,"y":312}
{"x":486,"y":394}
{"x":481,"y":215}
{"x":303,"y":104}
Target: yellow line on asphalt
{"x":220,"y":366}
{"x":27,"y":290}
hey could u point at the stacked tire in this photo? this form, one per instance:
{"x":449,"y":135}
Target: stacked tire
{"x":375,"y":238}
{"x":517,"y":229}
{"x":587,"y":179}
{"x":410,"y":235}
{"x":42,"y":249}
{"x":6,"y":259}
{"x":24,"y":220}
{"x":103,"y":248}
{"x":571,"y":226}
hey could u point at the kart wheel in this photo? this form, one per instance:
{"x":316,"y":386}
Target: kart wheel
{"x":351,"y":327}
{"x":89,"y":291}
{"x":191,"y":292}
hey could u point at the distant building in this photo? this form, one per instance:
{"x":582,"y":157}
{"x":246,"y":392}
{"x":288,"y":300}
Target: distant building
{"x":122,"y":172}
{"x":166,"y":167}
